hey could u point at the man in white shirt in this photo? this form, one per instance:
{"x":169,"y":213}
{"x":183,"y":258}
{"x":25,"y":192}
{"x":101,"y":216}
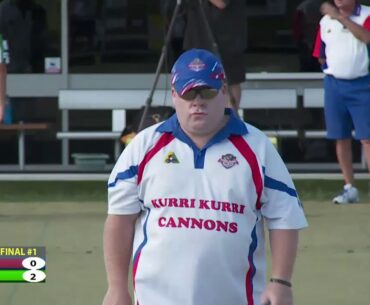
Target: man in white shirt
{"x":342,"y":48}
{"x":187,"y":201}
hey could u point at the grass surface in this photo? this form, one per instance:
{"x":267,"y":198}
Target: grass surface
{"x":53,"y":191}
{"x":325,"y":190}
{"x":332,"y":266}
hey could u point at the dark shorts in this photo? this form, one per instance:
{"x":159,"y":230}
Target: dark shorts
{"x":347,"y":107}
{"x":234,"y":67}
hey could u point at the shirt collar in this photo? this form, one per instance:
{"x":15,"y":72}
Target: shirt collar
{"x":234,"y":126}
{"x":357,"y":10}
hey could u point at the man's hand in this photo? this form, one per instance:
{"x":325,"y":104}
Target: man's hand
{"x":117,"y":296}
{"x":329,"y":9}
{"x":277,"y":294}
{"x":117,"y":244}
{"x":220,"y":4}
{"x":357,"y":30}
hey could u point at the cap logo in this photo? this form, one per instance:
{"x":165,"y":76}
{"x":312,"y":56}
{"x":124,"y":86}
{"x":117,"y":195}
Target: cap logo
{"x":196,"y":65}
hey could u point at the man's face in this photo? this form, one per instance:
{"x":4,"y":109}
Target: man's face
{"x":344,"y":3}
{"x":201,"y":116}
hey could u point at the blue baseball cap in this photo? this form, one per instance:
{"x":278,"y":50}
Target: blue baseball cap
{"x":195,"y":68}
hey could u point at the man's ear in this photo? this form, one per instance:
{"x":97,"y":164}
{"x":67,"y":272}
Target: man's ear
{"x":174,"y":95}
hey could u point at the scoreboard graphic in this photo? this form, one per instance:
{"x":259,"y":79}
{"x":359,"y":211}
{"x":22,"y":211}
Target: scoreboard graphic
{"x":22,"y":264}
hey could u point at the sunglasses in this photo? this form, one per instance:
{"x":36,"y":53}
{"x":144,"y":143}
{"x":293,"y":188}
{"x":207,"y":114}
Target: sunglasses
{"x":205,"y":93}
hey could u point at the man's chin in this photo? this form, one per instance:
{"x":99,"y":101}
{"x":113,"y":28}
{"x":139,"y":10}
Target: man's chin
{"x":200,"y":129}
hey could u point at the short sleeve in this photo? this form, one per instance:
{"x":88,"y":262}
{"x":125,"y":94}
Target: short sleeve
{"x":4,"y":55}
{"x":123,"y":198}
{"x":317,"y":46}
{"x":281,"y":206}
{"x":367,"y":23}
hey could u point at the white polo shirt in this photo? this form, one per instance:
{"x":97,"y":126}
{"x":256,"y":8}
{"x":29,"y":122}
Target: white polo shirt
{"x":346,"y":56}
{"x":4,"y":53}
{"x":199,"y":238}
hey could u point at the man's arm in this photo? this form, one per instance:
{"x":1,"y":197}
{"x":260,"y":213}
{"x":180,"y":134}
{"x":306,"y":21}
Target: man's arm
{"x":357,"y":30}
{"x":117,"y":242}
{"x":220,"y":4}
{"x":2,"y":90}
{"x":283,"y":245}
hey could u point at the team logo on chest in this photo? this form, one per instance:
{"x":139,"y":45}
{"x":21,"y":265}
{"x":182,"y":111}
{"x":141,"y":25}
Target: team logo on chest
{"x":228,"y":161}
{"x":171,"y":158}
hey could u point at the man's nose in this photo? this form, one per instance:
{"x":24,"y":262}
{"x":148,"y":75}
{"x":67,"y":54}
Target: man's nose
{"x":197,"y":101}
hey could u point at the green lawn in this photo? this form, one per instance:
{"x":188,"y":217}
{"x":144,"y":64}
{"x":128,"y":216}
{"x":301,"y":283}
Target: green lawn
{"x":54,"y":191}
{"x":332,"y":265}
{"x":324,"y":190}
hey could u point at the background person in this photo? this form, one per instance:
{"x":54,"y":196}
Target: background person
{"x":227,"y":20}
{"x":175,"y":47}
{"x":342,"y":49}
{"x":23,"y":24}
{"x":188,"y":198}
{"x":4,"y":59}
{"x":306,"y":17}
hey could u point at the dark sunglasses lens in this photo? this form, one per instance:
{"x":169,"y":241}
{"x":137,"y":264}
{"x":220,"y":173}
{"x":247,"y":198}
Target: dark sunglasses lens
{"x":205,"y":93}
{"x":208,"y":93}
{"x":189,"y":95}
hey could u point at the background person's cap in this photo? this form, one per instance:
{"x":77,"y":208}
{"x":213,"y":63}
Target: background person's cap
{"x":195,"y":68}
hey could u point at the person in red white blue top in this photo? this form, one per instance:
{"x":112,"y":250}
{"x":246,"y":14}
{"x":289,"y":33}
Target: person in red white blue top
{"x":188,"y":200}
{"x":342,"y":48}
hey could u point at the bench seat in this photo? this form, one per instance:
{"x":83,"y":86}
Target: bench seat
{"x":22,"y":128}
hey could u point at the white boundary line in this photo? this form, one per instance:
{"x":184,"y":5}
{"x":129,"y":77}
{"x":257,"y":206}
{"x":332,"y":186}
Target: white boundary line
{"x":54,"y":177}
{"x":104,"y":177}
{"x":327,"y":176}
